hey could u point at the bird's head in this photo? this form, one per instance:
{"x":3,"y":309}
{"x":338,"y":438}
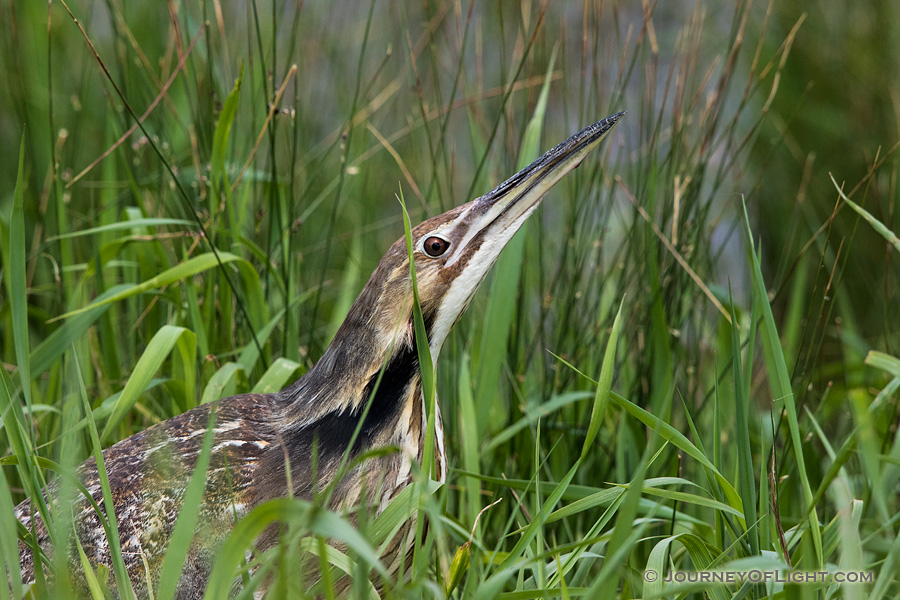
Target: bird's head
{"x":373,"y":361}
{"x":368,"y":382}
{"x":454,"y":251}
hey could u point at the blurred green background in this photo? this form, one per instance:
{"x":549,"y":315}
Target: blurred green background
{"x":834,"y":108}
{"x":728,"y":102}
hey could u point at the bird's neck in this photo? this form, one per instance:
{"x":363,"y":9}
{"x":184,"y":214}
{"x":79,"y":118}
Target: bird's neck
{"x":366,"y":387}
{"x":370,"y":370}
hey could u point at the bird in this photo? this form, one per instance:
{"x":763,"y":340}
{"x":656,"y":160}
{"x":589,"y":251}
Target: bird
{"x":365,"y":390}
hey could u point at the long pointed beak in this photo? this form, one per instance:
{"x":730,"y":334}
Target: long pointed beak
{"x":513,"y":200}
{"x":479,"y":232}
{"x":495,"y":217}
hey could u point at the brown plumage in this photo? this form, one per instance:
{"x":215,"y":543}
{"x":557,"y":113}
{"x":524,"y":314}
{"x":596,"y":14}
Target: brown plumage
{"x":318,"y":414}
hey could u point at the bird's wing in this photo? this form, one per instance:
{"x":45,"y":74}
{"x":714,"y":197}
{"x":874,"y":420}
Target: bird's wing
{"x":148,"y":475}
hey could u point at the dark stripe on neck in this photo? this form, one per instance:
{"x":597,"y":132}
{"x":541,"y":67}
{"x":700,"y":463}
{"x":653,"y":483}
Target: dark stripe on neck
{"x":384,"y":400}
{"x":390,"y":392}
{"x":333,"y":431}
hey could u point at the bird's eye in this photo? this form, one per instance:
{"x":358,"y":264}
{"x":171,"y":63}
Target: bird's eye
{"x":435,"y":246}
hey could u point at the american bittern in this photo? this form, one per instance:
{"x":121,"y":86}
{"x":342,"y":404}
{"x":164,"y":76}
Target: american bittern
{"x":317,"y":415}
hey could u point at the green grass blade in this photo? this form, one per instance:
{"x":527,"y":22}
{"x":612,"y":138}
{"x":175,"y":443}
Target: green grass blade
{"x":148,"y":364}
{"x":746,"y":473}
{"x":218,"y":173}
{"x":223,"y":382}
{"x":532,"y":415}
{"x":885,"y":362}
{"x":868,"y":440}
{"x":55,"y":344}
{"x":539,"y":520}
{"x":604,"y":383}
{"x":610,"y":573}
{"x":470,"y":455}
{"x":180,"y":272}
{"x":427,"y":370}
{"x":17,"y":436}
{"x":16,"y":284}
{"x":122,"y":225}
{"x":885,"y":576}
{"x":684,"y":498}
{"x":288,"y":511}
{"x":336,"y":558}
{"x":598,"y":412}
{"x":280,"y":374}
{"x":780,"y":384}
{"x":656,"y":565}
{"x":671,"y":435}
{"x":426,"y":364}
{"x":186,"y":524}
{"x":98,"y":590}
{"x":882,"y":229}
{"x":507,"y":273}
{"x":123,"y":583}
{"x":9,"y":549}
{"x":397,"y":512}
